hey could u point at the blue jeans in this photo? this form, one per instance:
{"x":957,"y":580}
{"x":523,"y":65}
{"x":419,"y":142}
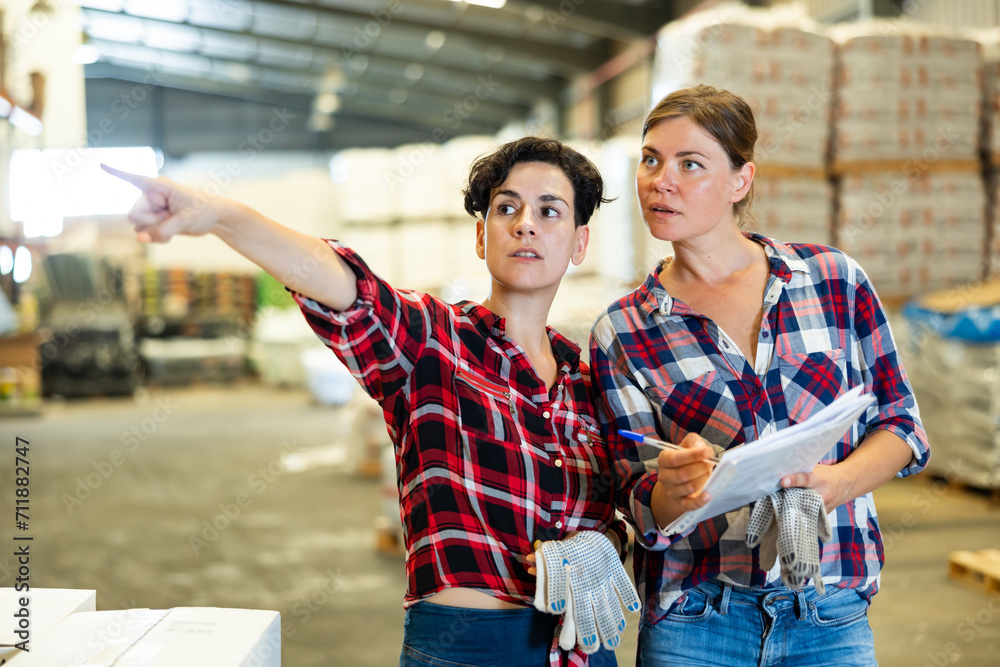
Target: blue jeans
{"x":718,"y":625}
{"x":459,"y":637}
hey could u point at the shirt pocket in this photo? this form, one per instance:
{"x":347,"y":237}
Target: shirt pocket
{"x":702,"y":405}
{"x":493,"y":462}
{"x":485,"y":407}
{"x":811,"y":381}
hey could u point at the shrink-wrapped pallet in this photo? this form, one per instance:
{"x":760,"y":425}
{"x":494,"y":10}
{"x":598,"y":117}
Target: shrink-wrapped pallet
{"x":913,"y":232}
{"x":905,"y":93}
{"x":776,"y":59}
{"x":957,"y":386}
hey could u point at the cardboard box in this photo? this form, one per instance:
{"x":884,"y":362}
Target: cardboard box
{"x":46,"y":608}
{"x":189,"y":636}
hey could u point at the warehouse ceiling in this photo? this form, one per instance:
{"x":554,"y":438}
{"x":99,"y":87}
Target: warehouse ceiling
{"x":202,"y":74}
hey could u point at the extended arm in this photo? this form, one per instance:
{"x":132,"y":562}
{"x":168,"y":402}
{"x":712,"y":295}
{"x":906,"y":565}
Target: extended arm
{"x":302,"y":262}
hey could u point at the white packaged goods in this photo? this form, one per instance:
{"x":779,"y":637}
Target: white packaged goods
{"x":793,"y":209}
{"x":912,"y":232}
{"x":191,"y":636}
{"x":457,"y":156}
{"x":364,"y":184}
{"x":419,"y":179}
{"x":957,"y":385}
{"x":45,"y":608}
{"x":905,"y":92}
{"x":776,"y":59}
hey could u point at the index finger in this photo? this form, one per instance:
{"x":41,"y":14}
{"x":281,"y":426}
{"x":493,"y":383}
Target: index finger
{"x":138,"y":180}
{"x":688,"y":454}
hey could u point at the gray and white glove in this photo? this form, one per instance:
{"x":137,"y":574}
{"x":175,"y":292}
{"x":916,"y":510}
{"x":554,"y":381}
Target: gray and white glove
{"x":583,"y":578}
{"x":789,"y":524}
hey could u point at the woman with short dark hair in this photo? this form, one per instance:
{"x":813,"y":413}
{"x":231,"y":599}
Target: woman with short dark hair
{"x":490,"y":411}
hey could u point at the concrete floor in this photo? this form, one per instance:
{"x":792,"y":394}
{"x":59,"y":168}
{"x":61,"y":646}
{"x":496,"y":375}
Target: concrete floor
{"x":136,"y":525}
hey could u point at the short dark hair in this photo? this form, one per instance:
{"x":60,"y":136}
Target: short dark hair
{"x":489,"y":171}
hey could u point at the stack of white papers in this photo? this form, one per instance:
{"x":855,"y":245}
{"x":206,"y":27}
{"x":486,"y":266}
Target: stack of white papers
{"x":754,"y":470}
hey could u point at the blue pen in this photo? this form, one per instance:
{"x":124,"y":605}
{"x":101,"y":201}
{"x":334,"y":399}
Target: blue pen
{"x":646,"y":440}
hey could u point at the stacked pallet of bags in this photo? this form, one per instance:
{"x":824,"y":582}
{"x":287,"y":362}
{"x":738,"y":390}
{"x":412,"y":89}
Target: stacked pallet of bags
{"x":906,"y":132}
{"x":951,"y":347}
{"x":990,"y":41}
{"x":782,"y":64}
{"x":400,"y":206}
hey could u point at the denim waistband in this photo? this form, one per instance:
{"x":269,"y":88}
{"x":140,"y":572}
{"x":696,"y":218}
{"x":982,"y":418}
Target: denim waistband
{"x":768,"y":599}
{"x":446,"y":611}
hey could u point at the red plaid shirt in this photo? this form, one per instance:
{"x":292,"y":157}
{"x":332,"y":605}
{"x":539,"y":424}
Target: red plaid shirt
{"x":488,"y":460}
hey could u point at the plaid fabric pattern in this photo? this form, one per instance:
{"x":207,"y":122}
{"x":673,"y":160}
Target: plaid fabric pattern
{"x":488,"y":460}
{"x":662,"y":369}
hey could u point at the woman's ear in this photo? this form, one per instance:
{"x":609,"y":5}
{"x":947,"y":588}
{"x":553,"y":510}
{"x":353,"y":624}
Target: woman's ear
{"x":742,"y":180}
{"x":582,"y":239}
{"x":481,"y":238}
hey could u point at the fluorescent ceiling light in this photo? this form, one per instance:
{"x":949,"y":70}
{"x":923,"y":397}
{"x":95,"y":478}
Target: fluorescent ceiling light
{"x":327,"y":103}
{"x":22,"y":264}
{"x":493,"y":4}
{"x":86,"y":54}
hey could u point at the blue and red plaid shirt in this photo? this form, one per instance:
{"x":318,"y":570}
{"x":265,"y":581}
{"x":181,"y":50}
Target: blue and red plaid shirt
{"x":664,"y":370}
{"x":488,"y":459}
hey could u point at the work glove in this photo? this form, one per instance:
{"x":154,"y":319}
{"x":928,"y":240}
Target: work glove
{"x":789,"y":524}
{"x":583,"y":578}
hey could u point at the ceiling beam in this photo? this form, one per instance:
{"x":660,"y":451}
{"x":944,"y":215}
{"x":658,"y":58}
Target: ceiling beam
{"x":415,"y":118}
{"x":512,"y":89}
{"x":614,"y":20}
{"x":568,"y":62}
{"x":444,"y":102}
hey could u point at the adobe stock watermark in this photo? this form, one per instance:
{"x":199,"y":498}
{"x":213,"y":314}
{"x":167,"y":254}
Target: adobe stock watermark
{"x":887,"y":197}
{"x":248,"y":149}
{"x":131,"y":440}
{"x":230,"y":511}
{"x":792,"y":120}
{"x":965,"y":632}
{"x":302,"y":610}
{"x":922,"y":501}
{"x":453,"y":118}
{"x":118,"y":112}
{"x":364,"y":37}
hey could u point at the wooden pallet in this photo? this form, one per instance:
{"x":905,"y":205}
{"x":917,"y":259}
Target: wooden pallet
{"x":978,"y":569}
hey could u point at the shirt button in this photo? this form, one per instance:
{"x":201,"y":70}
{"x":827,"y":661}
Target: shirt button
{"x":756,"y":390}
{"x":765,"y":334}
{"x":559,"y":463}
{"x":546,"y":414}
{"x":558,"y":524}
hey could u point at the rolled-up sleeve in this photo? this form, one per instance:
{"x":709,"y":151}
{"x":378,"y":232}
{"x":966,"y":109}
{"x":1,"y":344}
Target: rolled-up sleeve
{"x":882,"y":369}
{"x":379,"y":336}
